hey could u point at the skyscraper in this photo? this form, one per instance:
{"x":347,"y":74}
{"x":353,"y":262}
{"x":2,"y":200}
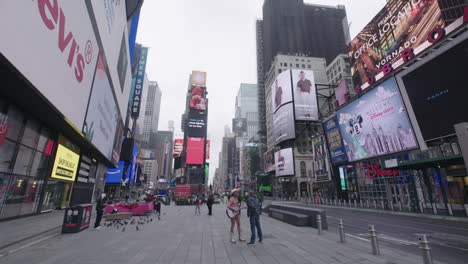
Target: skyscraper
{"x":247,"y":107}
{"x":152,"y":109}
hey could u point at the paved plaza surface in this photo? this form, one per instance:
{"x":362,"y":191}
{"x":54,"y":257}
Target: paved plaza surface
{"x":183,"y":237}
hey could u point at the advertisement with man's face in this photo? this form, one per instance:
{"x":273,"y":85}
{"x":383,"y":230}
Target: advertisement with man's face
{"x":284,"y":162}
{"x":198,"y":98}
{"x":334,"y":140}
{"x":55,"y":48}
{"x":305,"y":95}
{"x":281,"y":92}
{"x":283,"y":124}
{"x":102,"y":116}
{"x":239,"y":125}
{"x":320,"y":160}
{"x":398,"y":26}
{"x":195,"y":151}
{"x":376,"y":124}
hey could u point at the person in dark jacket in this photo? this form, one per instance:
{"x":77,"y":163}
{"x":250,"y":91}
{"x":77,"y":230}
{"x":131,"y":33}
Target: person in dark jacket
{"x":210,"y":203}
{"x":253,"y":212}
{"x":100,"y":205}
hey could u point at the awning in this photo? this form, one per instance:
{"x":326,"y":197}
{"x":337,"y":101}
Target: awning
{"x":430,"y":163}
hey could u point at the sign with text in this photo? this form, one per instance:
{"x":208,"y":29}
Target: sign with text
{"x":334,"y":140}
{"x":196,"y":123}
{"x":66,"y":161}
{"x":139,"y":79}
{"x":195,"y":151}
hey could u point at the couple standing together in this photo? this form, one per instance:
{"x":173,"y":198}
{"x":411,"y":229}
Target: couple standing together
{"x":253,"y":212}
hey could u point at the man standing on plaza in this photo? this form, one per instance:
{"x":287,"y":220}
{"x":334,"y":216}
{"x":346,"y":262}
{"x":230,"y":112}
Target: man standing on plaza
{"x":253,"y":212}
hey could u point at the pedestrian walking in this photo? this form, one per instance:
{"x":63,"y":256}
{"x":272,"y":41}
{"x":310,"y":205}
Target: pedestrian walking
{"x":157,"y":207}
{"x":253,"y":212}
{"x":197,"y":205}
{"x":210,"y":203}
{"x":100,"y":205}
{"x":233,"y":212}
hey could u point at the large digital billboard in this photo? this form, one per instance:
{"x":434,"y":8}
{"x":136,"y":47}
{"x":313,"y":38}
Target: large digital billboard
{"x":239,"y":125}
{"x":334,"y":140}
{"x":341,"y":92}
{"x":55,"y":48}
{"x":269,"y":159}
{"x":198,"y":78}
{"x":320,"y":159}
{"x":281,"y":91}
{"x":437,"y":92}
{"x":376,"y":124}
{"x":399,"y":31}
{"x":111,"y":21}
{"x":178,"y":147}
{"x":198,"y":98}
{"x":196,"y":123}
{"x":284,"y":162}
{"x":305,"y":95}
{"x":195,"y":151}
{"x":283,"y":124}
{"x":102,"y":117}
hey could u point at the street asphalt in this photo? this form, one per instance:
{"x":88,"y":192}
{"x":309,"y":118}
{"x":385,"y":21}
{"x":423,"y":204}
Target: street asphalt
{"x":448,"y":239}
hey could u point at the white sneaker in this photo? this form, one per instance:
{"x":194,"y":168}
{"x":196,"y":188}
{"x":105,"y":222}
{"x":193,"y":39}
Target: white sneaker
{"x":97,"y":227}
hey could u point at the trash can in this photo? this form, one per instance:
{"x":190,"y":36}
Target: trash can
{"x":77,"y":218}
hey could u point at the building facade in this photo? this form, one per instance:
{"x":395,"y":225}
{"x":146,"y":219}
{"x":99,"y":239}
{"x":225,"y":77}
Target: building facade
{"x":152,"y":109}
{"x":247,"y":107}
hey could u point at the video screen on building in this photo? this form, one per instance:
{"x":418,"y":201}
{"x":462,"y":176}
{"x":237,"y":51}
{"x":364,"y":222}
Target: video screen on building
{"x":335,"y":141}
{"x":305,"y":95}
{"x":198,"y":98}
{"x":269,"y":158}
{"x":376,"y":124}
{"x":195,"y":151}
{"x":438,"y":92}
{"x":281,"y":92}
{"x":283,"y":124}
{"x":284,"y":162}
{"x":196,"y":123}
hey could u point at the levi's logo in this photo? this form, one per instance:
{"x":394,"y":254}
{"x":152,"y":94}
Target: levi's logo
{"x":54,"y":18}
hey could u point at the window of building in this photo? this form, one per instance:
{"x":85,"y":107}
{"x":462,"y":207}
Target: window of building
{"x":303,"y":169}
{"x":290,"y":64}
{"x":297,"y":65}
{"x":309,"y":66}
{"x":303,"y":66}
{"x":279,"y":70}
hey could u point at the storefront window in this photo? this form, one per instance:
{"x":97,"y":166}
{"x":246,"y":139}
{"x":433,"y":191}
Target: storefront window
{"x":57,"y":195}
{"x":7,"y":150}
{"x":14,"y":122}
{"x":23,"y":194}
{"x":39,"y":165}
{"x":23,"y":161}
{"x":31,"y":134}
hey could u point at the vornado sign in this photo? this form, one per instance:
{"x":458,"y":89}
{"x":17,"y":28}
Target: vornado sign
{"x":55,"y":48}
{"x":399,"y":32}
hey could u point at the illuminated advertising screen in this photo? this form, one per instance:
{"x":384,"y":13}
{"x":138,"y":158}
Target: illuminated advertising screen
{"x":239,"y":125}
{"x":198,"y":78}
{"x":400,"y":27}
{"x":376,"y":124}
{"x":283,"y":124}
{"x":102,"y":118}
{"x":198,"y":98}
{"x":437,"y":92}
{"x":335,"y":141}
{"x":66,"y":160}
{"x":195,"y":151}
{"x":269,"y":158}
{"x":196,"y":123}
{"x":320,"y":159}
{"x":284,"y":162}
{"x":341,"y":91}
{"x":305,"y":95}
{"x":178,"y":147}
{"x":137,"y":97}
{"x":55,"y":48}
{"x":281,"y":91}
{"x":208,"y":145}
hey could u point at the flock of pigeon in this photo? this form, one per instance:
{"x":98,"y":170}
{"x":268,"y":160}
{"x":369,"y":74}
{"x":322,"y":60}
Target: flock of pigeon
{"x":138,"y":222}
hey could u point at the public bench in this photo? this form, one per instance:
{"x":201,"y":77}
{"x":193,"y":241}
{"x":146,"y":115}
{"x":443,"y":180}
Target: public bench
{"x":118,"y":216}
{"x":311,"y":213}
{"x":289,"y":217}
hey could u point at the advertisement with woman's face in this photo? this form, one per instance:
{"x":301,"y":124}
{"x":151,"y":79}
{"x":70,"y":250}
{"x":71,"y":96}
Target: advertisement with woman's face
{"x":198,"y":98}
{"x":284,"y":162}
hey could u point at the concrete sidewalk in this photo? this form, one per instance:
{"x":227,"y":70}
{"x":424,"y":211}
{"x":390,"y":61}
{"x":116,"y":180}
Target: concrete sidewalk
{"x":183,"y":237}
{"x":21,"y":229}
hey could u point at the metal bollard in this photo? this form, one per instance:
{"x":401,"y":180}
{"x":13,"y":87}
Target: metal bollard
{"x":383,"y":205}
{"x":426,"y":250}
{"x":391,"y":206}
{"x":421,"y":207}
{"x":466,"y":209}
{"x":374,"y":240}
{"x":400,"y":207}
{"x":355,"y":203}
{"x":367,"y":201}
{"x":319,"y":224}
{"x":342,"y":233}
{"x":449,"y":207}
{"x":360,"y":201}
{"x":375,"y":204}
{"x":434,"y":208}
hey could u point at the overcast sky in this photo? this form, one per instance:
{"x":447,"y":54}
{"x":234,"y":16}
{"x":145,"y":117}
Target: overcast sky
{"x":216,"y":36}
